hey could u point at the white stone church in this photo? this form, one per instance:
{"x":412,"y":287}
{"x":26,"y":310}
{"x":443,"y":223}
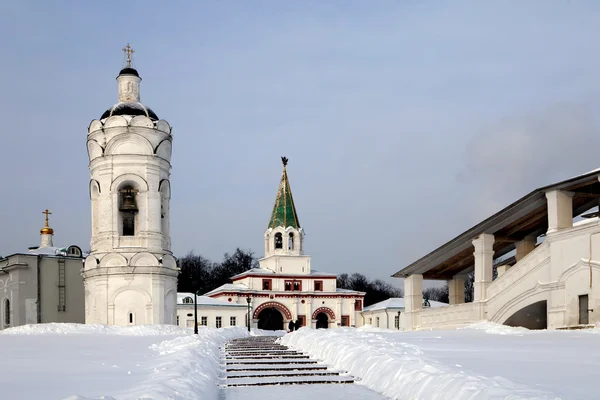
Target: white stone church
{"x":42,"y":284}
{"x":130,"y":276}
{"x":285,"y":288}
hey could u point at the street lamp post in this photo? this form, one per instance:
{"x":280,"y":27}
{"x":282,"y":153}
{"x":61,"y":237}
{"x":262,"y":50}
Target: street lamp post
{"x":249,"y":300}
{"x":195,"y":313}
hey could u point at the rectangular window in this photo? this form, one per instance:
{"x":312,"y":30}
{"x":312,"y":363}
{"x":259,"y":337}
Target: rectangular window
{"x":302,"y":319}
{"x":128,"y":225}
{"x":290,"y":286}
{"x":62,"y":302}
{"x":218,"y":322}
{"x":358,"y":305}
{"x":397,"y":322}
{"x":204,"y":321}
{"x":377,"y":322}
{"x":318,"y":286}
{"x":345,"y":320}
{"x":178,"y":320}
{"x":267,"y":284}
{"x":231,"y":321}
{"x":370,"y":321}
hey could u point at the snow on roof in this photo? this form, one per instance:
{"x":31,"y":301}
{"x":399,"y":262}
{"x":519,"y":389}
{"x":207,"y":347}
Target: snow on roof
{"x":205,"y":300}
{"x":347,"y":291}
{"x":264,"y":271}
{"x":397,"y":302}
{"x":228,"y":287}
{"x":585,"y":221}
{"x":49,"y":251}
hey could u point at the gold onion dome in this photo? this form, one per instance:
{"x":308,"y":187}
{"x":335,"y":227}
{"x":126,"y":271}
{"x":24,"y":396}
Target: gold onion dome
{"x":46,"y":230}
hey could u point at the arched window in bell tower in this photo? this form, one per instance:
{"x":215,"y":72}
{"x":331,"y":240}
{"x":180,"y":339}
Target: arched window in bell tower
{"x":291,"y":241}
{"x":128,"y":209}
{"x":278,"y":241}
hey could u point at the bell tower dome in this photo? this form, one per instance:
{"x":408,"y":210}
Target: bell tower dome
{"x":130,"y":276}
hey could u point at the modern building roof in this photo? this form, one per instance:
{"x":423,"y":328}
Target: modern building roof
{"x":527,"y":216}
{"x":284,"y":212}
{"x":397,"y":303}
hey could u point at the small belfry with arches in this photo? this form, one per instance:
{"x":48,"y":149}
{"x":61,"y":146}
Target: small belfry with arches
{"x":285,"y":288}
{"x":130,"y":275}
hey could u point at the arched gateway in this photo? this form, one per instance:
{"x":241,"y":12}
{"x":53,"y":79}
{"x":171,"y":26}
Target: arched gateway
{"x":271,"y":316}
{"x":322,"y":316}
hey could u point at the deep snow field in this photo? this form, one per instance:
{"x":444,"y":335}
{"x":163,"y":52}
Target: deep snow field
{"x":484,"y":361}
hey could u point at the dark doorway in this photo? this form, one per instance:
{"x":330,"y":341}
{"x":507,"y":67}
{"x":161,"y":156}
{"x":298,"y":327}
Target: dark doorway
{"x":533,"y":316}
{"x":270,"y":319}
{"x":322,"y":321}
{"x":584,"y":316}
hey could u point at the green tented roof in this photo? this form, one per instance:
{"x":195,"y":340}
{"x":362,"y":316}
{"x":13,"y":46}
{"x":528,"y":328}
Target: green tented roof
{"x":284,"y":213}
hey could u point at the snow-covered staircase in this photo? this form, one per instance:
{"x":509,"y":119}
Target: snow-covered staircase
{"x":259,"y":361}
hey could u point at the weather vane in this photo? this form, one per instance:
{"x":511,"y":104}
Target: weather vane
{"x":128,"y":52}
{"x":284,"y":160}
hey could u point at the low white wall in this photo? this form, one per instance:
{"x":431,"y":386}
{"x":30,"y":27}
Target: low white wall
{"x":185,"y":315}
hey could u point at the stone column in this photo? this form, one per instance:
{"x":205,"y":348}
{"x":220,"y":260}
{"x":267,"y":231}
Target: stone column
{"x":456,"y":290}
{"x":560,"y":210}
{"x":484,"y":260}
{"x":501,"y":269}
{"x":524,"y":247}
{"x":413,"y":299}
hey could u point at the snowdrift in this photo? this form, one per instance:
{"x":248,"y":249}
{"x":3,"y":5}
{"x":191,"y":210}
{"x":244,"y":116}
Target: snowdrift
{"x":400,"y":370}
{"x":85,"y":362}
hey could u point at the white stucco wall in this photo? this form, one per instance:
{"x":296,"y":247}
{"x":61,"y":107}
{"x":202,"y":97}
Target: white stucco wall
{"x":386,"y":318}
{"x":559,"y":270}
{"x":130,"y":280}
{"x":185,"y":315}
{"x":22,"y":285}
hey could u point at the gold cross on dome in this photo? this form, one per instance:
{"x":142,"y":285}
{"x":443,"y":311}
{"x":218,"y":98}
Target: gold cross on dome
{"x":128,"y":52}
{"x":47,"y":213}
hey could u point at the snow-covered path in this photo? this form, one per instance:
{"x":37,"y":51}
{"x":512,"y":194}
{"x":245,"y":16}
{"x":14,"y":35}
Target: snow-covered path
{"x":259,"y":368}
{"x":302,"y":392}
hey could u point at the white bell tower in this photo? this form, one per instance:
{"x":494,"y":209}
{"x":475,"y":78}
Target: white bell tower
{"x":130,"y":276}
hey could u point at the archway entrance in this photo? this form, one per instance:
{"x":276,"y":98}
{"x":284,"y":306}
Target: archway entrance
{"x":533,"y":316}
{"x":270,"y":319}
{"x":322,"y":321}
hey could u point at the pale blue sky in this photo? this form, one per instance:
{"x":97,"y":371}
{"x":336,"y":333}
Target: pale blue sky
{"x":405,"y":122}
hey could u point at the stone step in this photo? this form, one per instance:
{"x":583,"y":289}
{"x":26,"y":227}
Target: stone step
{"x":246,"y":361}
{"x":275,"y":373}
{"x":254,"y":348}
{"x":291,"y":367}
{"x":270,"y":348}
{"x":292,"y":380}
{"x":262,"y":353}
{"x":272,"y":357}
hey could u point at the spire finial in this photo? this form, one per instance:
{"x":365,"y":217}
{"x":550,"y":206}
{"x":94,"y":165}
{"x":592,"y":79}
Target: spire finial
{"x":46,"y":230}
{"x":47,"y":213}
{"x":128,"y":52}
{"x":284,"y":160}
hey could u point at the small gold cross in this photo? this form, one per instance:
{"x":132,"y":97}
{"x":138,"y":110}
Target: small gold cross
{"x":128,"y":52}
{"x":47,"y":213}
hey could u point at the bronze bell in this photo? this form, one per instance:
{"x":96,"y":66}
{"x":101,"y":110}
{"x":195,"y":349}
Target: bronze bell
{"x":128,"y":201}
